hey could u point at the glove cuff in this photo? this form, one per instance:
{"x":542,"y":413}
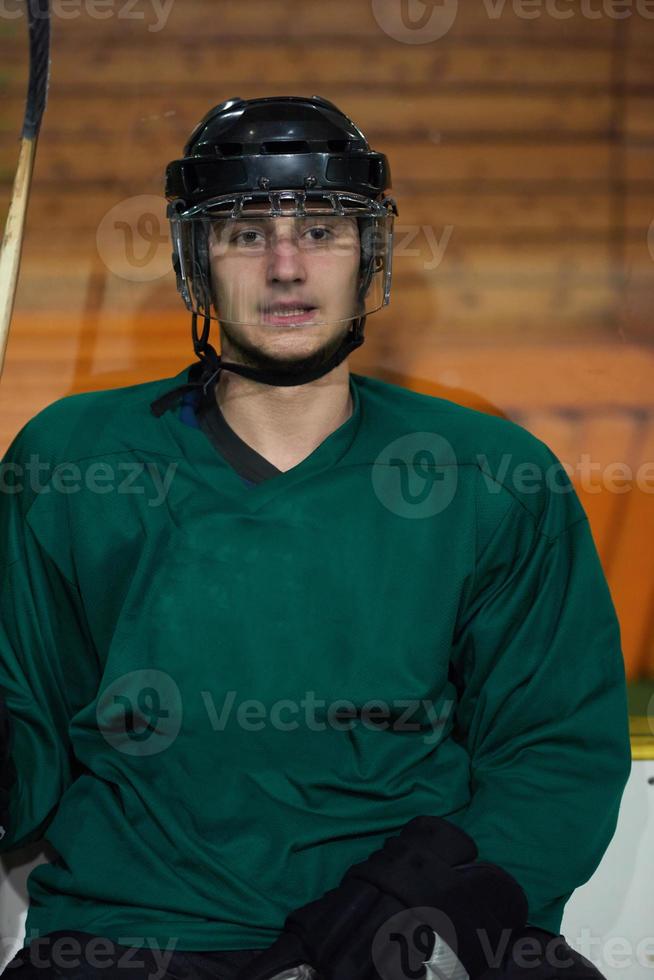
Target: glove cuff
{"x":443,"y":838}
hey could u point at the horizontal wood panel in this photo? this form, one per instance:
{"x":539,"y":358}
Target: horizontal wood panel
{"x":73,"y":214}
{"x":490,"y":20}
{"x":601,"y":381}
{"x":416,"y":256}
{"x":614,"y":373}
{"x":639,"y":262}
{"x":137,"y":162}
{"x":173,"y":116}
{"x":639,"y":117}
{"x":639,"y":211}
{"x":639,"y":163}
{"x":164,"y":65}
{"x":638,"y":65}
{"x":478,"y":301}
{"x":527,"y":135}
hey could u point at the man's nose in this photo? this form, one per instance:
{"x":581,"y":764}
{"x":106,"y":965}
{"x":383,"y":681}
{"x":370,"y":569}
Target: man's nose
{"x":285,"y":262}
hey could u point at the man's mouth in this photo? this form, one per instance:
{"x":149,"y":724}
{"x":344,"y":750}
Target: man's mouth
{"x":289,"y":313}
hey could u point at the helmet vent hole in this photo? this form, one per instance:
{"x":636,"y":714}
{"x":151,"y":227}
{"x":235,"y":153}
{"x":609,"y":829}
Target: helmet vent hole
{"x":229,"y":149}
{"x":285,"y":146}
{"x":376,"y":172}
{"x":337,"y":146}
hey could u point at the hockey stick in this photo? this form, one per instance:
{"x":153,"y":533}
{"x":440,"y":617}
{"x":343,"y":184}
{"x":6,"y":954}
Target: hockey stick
{"x":37,"y":93}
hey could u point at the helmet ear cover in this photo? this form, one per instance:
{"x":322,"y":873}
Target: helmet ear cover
{"x":369,"y":263}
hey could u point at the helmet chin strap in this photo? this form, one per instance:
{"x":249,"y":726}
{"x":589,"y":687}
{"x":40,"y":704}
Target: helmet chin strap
{"x":212,"y":364}
{"x":270,"y":376}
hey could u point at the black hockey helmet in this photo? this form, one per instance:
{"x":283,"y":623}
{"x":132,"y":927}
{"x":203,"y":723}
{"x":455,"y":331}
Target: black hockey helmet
{"x":273,"y":157}
{"x":275,"y":144}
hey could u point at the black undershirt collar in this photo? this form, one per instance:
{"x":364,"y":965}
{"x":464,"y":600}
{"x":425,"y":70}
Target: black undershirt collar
{"x":248,"y":463}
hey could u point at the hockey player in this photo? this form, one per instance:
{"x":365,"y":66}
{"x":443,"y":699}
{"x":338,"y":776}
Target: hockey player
{"x":304,"y":673}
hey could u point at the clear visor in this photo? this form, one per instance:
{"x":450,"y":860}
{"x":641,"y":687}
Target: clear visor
{"x":284,"y":260}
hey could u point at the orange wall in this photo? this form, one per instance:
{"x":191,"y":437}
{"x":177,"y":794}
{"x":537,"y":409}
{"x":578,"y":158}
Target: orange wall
{"x":522,"y":151}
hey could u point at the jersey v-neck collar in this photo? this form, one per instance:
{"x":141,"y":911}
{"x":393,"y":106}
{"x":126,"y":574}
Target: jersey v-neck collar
{"x":248,"y":463}
{"x":220,"y":473}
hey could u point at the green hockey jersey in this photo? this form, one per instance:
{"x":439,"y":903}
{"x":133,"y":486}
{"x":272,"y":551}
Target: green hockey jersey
{"x":222,"y":695}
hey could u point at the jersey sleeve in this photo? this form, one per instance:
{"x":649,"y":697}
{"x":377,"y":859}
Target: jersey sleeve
{"x":542,"y":703}
{"x":46,"y":658}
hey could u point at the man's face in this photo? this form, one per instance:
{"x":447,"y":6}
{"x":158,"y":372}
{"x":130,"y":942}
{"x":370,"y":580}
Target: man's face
{"x":285,"y":288}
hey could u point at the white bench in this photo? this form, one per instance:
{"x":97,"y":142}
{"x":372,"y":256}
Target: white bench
{"x":610,"y":919}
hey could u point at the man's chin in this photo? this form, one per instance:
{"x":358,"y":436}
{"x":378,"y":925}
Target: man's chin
{"x":243,"y":350}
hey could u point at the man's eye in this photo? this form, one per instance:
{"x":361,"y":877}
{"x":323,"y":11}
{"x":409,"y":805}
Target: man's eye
{"x":248,"y":237}
{"x":320,"y":233}
{"x":255,"y":236}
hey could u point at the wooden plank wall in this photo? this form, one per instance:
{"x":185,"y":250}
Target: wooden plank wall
{"x":522,"y":148}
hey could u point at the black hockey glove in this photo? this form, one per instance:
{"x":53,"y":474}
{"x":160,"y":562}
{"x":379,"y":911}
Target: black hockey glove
{"x":380,"y":922}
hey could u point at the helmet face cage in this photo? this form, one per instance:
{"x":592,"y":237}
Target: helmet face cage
{"x":203,"y":232}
